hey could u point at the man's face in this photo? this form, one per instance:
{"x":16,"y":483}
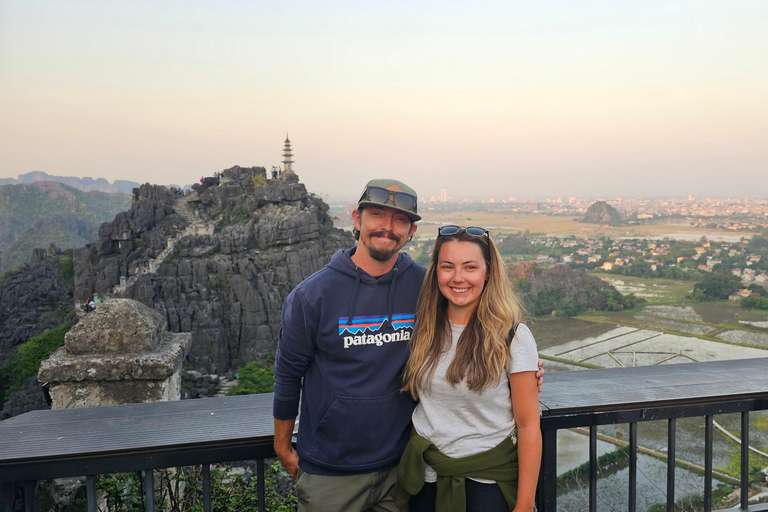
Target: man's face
{"x":383,"y":231}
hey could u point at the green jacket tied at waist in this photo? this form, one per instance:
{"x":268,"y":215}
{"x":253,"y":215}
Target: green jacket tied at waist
{"x":498,"y":464}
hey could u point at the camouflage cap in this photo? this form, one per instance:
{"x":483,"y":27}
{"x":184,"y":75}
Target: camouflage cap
{"x":400,"y":197}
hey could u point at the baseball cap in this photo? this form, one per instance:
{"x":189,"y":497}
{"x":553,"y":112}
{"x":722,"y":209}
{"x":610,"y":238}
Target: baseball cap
{"x":392,"y":194}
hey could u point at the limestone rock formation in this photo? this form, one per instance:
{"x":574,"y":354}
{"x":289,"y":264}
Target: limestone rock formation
{"x":563,"y":290}
{"x":601,"y":212}
{"x":217,"y":263}
{"x":29,"y":301}
{"x":30,"y":397}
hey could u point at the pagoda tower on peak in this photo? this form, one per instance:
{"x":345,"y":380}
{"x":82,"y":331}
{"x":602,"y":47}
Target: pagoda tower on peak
{"x":287,"y":156}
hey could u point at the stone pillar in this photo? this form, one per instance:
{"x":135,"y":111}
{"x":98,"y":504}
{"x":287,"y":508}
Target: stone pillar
{"x":119,"y":353}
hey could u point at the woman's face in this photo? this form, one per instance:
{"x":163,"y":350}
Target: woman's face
{"x":461,"y":277}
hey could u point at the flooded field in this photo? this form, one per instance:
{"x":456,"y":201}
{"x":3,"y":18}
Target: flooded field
{"x":676,"y":312}
{"x":762,"y":325}
{"x":655,"y":291}
{"x":662,"y":323}
{"x":551,"y":332}
{"x":657,"y":333}
{"x":573,"y":448}
{"x":627,"y":346}
{"x":753,"y":338}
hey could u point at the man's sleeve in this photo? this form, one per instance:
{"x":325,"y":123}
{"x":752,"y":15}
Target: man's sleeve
{"x":295,"y":352}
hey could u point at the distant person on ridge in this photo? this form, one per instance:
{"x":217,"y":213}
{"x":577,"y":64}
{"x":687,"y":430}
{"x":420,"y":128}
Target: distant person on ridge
{"x":345,"y":332}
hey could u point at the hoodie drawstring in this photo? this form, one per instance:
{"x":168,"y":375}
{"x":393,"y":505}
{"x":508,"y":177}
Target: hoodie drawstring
{"x":354,"y":298}
{"x":391,"y":295}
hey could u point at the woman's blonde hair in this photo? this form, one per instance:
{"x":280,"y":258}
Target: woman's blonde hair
{"x":482,"y":351}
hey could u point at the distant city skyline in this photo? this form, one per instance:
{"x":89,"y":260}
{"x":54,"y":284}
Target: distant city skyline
{"x":596,"y":99}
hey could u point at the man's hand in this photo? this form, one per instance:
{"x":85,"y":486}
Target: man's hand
{"x":283,"y":447}
{"x":540,"y":375}
{"x":290,"y":462}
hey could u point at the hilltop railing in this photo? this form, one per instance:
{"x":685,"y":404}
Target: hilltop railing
{"x":633,"y":395}
{"x":145,"y":437}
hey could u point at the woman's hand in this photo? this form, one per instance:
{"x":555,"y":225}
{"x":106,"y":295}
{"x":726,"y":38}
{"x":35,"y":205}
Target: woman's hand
{"x":540,"y":375}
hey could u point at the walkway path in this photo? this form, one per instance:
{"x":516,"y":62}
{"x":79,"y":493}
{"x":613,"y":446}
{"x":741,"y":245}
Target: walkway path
{"x":225,"y":385}
{"x":196,"y":227}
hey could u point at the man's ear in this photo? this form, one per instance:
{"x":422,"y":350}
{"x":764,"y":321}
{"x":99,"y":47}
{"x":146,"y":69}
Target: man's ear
{"x":356,"y":218}
{"x":414,"y":227}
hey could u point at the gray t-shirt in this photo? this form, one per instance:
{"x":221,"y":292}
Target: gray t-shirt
{"x":460,"y":422}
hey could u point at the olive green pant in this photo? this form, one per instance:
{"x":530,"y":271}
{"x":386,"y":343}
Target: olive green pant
{"x":353,"y":493}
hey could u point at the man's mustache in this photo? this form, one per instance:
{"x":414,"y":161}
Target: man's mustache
{"x":386,"y":234}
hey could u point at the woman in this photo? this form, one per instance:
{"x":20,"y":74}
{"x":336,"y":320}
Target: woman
{"x":469,"y":367}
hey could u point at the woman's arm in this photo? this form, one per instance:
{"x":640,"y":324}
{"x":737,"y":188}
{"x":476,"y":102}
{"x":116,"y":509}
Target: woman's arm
{"x":525,"y":407}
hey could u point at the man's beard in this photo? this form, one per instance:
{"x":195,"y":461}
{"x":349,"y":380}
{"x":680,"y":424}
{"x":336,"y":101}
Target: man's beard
{"x":383,"y":255}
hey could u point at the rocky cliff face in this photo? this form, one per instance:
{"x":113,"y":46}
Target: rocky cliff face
{"x":218,"y":262}
{"x":30,"y":301}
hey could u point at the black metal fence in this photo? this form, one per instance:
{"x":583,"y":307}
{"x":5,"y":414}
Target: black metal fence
{"x":43,"y":445}
{"x":633,"y":395}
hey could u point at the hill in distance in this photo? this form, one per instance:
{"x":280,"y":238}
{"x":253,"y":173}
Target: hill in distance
{"x":44,"y":212}
{"x":85,"y":184}
{"x":601,"y":212}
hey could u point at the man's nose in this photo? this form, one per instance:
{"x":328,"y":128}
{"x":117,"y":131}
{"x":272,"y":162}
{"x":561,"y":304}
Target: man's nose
{"x":388,"y":222}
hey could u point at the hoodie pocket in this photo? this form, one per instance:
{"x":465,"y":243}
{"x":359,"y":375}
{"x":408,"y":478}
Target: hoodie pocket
{"x":357,"y":433}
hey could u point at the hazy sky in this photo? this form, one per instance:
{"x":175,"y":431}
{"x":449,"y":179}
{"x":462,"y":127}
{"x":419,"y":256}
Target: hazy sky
{"x":508,"y":98}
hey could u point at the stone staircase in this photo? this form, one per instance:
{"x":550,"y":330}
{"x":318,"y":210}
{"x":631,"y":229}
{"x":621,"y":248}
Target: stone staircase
{"x":225,"y":385}
{"x":196,"y":227}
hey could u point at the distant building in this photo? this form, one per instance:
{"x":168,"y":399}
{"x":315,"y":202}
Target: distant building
{"x":287,"y":156}
{"x":443,"y":195}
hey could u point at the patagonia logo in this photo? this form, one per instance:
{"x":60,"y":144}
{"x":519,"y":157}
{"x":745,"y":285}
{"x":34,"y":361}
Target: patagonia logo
{"x":362,"y":330}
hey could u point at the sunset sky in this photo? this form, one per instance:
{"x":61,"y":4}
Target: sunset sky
{"x":507,"y":98}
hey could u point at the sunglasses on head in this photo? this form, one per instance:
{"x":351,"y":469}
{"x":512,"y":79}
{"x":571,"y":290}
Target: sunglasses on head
{"x":455,"y":230}
{"x":383,"y":196}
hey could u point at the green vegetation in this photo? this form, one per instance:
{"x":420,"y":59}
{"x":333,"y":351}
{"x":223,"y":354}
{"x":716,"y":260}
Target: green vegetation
{"x":716,"y":285}
{"x":47,"y":212}
{"x":181,"y":490}
{"x":615,"y":301}
{"x":232,"y":216}
{"x":66,"y":270}
{"x":755,"y":302}
{"x":257,"y":180}
{"x":696,"y":501}
{"x":565,"y":292}
{"x":756,"y":465}
{"x":254,"y":378}
{"x":27,"y":357}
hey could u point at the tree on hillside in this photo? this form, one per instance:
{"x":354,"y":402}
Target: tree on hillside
{"x":758,"y":242}
{"x":755,"y":302}
{"x":716,"y":286}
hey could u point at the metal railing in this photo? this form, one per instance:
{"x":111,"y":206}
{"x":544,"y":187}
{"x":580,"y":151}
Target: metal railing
{"x":633,"y":395}
{"x":147,"y":437}
{"x":43,"y":445}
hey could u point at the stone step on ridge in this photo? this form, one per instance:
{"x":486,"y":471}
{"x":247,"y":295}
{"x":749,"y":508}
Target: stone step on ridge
{"x":196,"y":227}
{"x":225,"y":385}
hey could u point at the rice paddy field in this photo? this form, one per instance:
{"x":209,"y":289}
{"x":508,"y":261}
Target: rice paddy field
{"x":665,"y":330}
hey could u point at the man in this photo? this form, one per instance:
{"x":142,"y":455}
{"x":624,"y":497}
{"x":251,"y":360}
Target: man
{"x":345,"y":332}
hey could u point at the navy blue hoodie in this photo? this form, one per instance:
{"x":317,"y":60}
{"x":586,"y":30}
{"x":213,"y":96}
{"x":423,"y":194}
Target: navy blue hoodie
{"x":346,"y":333}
